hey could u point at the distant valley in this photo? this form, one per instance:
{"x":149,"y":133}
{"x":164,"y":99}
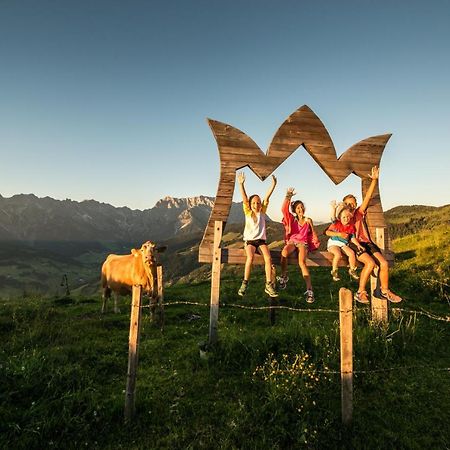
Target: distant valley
{"x":42,"y":239}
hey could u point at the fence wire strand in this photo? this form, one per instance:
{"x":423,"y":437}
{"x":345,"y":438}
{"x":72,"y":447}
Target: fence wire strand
{"x":422,"y":312}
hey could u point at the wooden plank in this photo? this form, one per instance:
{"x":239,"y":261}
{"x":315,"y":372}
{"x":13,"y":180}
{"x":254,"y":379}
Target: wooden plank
{"x":215,"y":283}
{"x":159,"y":276}
{"x":133,"y":351}
{"x":346,"y":346}
{"x":379,"y":305}
{"x":238,"y":256}
{"x":301,"y":128}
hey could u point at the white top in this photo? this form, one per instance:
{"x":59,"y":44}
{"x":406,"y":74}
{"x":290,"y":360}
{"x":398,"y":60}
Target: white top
{"x":255,"y":230}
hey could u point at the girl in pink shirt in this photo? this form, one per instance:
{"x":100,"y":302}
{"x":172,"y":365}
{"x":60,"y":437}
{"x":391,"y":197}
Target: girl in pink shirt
{"x":300,"y":235}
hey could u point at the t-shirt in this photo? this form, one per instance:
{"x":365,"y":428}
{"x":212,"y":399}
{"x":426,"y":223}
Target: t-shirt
{"x":255,"y":229}
{"x":294,"y":231}
{"x":339,"y":227}
{"x":358,"y":220}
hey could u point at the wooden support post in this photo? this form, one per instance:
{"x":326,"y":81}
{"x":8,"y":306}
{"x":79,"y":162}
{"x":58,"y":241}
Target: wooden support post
{"x":379,"y":305}
{"x":133,"y":347}
{"x":346,"y":342}
{"x":272,"y":301}
{"x":159,"y":277}
{"x":215,"y":282}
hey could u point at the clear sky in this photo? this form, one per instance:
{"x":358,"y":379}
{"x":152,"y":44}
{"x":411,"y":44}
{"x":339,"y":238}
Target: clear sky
{"x":108,"y":100}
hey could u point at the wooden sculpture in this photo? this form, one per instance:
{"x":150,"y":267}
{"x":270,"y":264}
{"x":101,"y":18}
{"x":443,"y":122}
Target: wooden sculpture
{"x":301,"y":128}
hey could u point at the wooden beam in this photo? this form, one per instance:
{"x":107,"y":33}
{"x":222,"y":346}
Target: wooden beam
{"x":346,"y":346}
{"x":215,"y":283}
{"x":379,"y":305}
{"x":159,"y":278}
{"x":133,"y":351}
{"x":238,"y":256}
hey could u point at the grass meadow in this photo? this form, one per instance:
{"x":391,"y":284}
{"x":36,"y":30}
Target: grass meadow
{"x":63,"y":369}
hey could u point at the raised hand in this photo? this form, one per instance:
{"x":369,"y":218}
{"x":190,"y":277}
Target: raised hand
{"x":290,"y":192}
{"x":241,"y":178}
{"x":374,"y":173}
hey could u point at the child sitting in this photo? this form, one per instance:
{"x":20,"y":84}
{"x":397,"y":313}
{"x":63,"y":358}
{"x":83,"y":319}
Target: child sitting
{"x":341,"y":232}
{"x":300,"y":235}
{"x":255,"y":234}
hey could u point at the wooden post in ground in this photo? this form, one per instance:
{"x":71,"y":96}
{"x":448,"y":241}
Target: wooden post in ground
{"x":133,"y":347}
{"x":379,"y":305}
{"x":215,"y":282}
{"x":159,"y":277}
{"x":272,"y":301}
{"x":346,"y":343}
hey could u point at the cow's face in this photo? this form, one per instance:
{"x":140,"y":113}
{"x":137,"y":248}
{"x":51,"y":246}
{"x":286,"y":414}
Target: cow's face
{"x":148,"y":252}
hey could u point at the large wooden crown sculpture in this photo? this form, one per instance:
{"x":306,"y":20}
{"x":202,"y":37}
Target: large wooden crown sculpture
{"x":301,"y":128}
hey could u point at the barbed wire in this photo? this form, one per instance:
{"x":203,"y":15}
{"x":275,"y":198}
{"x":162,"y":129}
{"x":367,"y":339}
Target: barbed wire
{"x":422,"y":313}
{"x":291,"y":308}
{"x":387,"y":369}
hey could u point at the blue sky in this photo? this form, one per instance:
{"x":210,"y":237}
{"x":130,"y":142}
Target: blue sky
{"x":108,"y":100}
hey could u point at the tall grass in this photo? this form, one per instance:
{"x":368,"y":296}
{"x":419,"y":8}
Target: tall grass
{"x":63,"y":373}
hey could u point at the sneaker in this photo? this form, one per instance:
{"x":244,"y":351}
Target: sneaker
{"x":270,"y":290}
{"x":335,"y":275}
{"x":309,"y":296}
{"x":361,"y":297}
{"x":353,"y":274}
{"x":282,"y":282}
{"x":243,"y":288}
{"x":389,"y":295}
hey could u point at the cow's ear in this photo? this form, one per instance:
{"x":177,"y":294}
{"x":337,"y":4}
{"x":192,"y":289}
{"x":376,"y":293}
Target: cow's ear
{"x":161,"y":249}
{"x":135,"y":252}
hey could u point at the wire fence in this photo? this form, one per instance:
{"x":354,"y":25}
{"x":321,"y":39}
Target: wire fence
{"x":311,"y":310}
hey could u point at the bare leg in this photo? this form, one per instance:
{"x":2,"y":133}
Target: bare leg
{"x":369,"y":264}
{"x":267,"y":262}
{"x":351,"y":256}
{"x":302,"y":254}
{"x":384,"y":271}
{"x":250,"y":252}
{"x":336,"y":251}
{"x":287,"y":250}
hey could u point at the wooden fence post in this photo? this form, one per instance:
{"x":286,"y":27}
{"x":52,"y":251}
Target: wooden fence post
{"x":272,"y":301}
{"x":159,"y":276}
{"x":346,"y":343}
{"x":215,"y":282}
{"x":379,"y":305}
{"x":133,"y":347}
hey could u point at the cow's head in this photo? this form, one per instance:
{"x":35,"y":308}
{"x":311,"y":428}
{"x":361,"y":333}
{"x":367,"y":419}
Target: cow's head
{"x":147,"y":252}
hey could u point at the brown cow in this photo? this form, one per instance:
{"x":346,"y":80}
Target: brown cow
{"x":121,"y":272}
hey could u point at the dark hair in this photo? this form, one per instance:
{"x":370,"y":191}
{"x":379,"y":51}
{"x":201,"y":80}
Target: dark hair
{"x":349,"y":196}
{"x":294,"y":205}
{"x":251,"y":198}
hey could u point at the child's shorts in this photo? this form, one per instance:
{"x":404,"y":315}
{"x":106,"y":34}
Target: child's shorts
{"x":298,"y":244}
{"x":369,"y":247}
{"x":256,"y":243}
{"x":335,"y":243}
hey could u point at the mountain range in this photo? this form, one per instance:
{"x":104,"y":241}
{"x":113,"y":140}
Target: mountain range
{"x":43,"y":240}
{"x":29,"y":218}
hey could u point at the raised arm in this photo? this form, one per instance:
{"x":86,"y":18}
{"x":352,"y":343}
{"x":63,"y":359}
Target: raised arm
{"x":241,"y":181}
{"x":374,"y":176}
{"x":269,"y":192}
{"x":287,"y":200}
{"x":333,"y":210}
